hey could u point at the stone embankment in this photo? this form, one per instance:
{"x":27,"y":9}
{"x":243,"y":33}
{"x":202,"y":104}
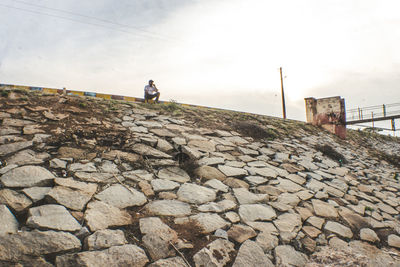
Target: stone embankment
{"x":87,"y":183}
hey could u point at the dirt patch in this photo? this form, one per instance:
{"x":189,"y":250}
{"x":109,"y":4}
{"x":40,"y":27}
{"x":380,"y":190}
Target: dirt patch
{"x":254,"y":130}
{"x":331,"y":153}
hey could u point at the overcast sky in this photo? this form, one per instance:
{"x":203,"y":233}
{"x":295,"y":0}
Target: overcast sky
{"x":222,"y":53}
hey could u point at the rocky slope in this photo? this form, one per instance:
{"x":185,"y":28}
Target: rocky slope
{"x":88,"y":182}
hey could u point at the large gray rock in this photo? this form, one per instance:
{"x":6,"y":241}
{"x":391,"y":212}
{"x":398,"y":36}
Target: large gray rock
{"x":232,"y":171}
{"x":367,"y":234}
{"x":8,"y":222}
{"x":218,"y":207}
{"x":209,"y":222}
{"x":157,"y":238}
{"x":287,"y":256}
{"x":28,"y":156}
{"x":121,"y":197}
{"x":251,"y":254}
{"x":195,"y":194}
{"x":100,"y":215}
{"x":126,"y":255}
{"x":36,"y":193}
{"x":265,"y":172}
{"x":324,"y":209}
{"x":173,"y":208}
{"x":148,"y":151}
{"x":209,"y":173}
{"x":174,"y":174}
{"x":163,"y":185}
{"x":217,"y":253}
{"x":241,"y":233}
{"x":256,"y":212}
{"x":394,"y":241}
{"x":82,"y":167}
{"x":14,"y":147}
{"x":244,"y":196}
{"x":70,"y":198}
{"x":106,"y":238}
{"x":16,"y":201}
{"x":339,"y":229}
{"x":22,"y":246}
{"x":27,"y":176}
{"x":52,"y":217}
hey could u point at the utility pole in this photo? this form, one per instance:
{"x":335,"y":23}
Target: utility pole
{"x":283,"y":97}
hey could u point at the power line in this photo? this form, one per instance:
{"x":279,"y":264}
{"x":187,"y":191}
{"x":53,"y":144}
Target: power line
{"x":78,"y":21}
{"x":94,"y":18}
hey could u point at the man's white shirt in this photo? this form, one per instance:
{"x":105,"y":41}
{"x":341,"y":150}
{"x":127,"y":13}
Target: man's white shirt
{"x":150,"y":90}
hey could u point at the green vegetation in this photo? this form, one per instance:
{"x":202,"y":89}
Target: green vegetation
{"x":367,"y":208}
{"x":4,"y":93}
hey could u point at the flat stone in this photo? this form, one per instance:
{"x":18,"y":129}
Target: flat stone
{"x":236,"y":183}
{"x":54,"y":217}
{"x":28,"y":157}
{"x":251,"y":254}
{"x":5,"y":130}
{"x":241,"y":233}
{"x":255,"y":180}
{"x":14,"y":147}
{"x":157,"y":236}
{"x":208,"y":222}
{"x":233,"y":217}
{"x":25,"y":245}
{"x":97,"y":177}
{"x":311,"y":231}
{"x":9,"y":223}
{"x":15,"y":122}
{"x":164,"y":146}
{"x":267,"y":241}
{"x":36,"y":193}
{"x":316,"y":221}
{"x":70,"y":198}
{"x":148,"y":151}
{"x":288,"y":199}
{"x":256,"y":212}
{"x":339,"y":229}
{"x":108,"y":167}
{"x":175,"y":261}
{"x":121,"y":197}
{"x":138,"y":175}
{"x":265,"y":172}
{"x":202,"y":145}
{"x":173,"y":208}
{"x":388,"y":209}
{"x":16,"y":201}
{"x":117,"y":154}
{"x":100,"y":215}
{"x":106,"y":238}
{"x":79,"y":167}
{"x":27,"y":176}
{"x":163,"y":185}
{"x":288,"y":222}
{"x":149,"y":124}
{"x":394,"y":241}
{"x":209,"y":173}
{"x":211,"y":161}
{"x":369,"y":235}
{"x":218,"y":207}
{"x":246,"y":197}
{"x":174,"y":174}
{"x":58,"y":164}
{"x":289,"y":186}
{"x":71,"y":152}
{"x":126,"y":255}
{"x":353,"y":219}
{"x":217,"y":185}
{"x":296,"y":178}
{"x":217,"y":253}
{"x":231,"y":171}
{"x":287,"y":256}
{"x":195,"y":194}
{"x":324,"y":209}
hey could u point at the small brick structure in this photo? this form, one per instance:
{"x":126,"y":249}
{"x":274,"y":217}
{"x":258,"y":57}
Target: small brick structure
{"x":329,"y":113}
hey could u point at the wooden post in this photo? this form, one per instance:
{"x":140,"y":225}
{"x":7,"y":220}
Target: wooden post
{"x":373,"y":123}
{"x":384,"y":110}
{"x":283,"y":97}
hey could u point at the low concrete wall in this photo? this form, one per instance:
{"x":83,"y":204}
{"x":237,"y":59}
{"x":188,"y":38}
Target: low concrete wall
{"x":329,"y":113}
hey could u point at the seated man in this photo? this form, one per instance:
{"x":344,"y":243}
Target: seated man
{"x":151,"y":91}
